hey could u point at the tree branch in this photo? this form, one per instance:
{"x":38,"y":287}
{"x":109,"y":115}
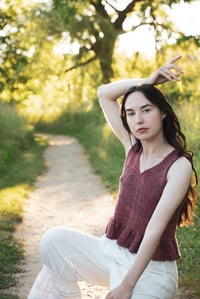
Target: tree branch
{"x":123,"y":14}
{"x":99,"y":7}
{"x":81,"y":64}
{"x":114,"y":8}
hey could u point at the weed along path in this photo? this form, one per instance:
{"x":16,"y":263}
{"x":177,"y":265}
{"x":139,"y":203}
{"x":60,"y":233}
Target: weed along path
{"x":70,"y":194}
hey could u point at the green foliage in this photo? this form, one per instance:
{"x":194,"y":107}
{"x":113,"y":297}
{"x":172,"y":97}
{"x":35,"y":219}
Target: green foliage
{"x":24,"y":34}
{"x":13,"y":58}
{"x":14,"y":136}
{"x":96,"y":26}
{"x":21,"y":162}
{"x":32,"y":68}
{"x":14,"y":191}
{"x":7,"y":296}
{"x":189,"y":265}
{"x":11,"y":205}
{"x":10,"y":254}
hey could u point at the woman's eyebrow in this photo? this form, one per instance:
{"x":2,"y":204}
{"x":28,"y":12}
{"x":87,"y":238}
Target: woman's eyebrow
{"x":147,"y":105}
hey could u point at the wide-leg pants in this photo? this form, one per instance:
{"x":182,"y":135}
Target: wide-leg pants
{"x":70,"y":256}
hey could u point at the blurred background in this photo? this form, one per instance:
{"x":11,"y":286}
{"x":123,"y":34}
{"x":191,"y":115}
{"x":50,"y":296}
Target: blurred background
{"x":53,"y":56}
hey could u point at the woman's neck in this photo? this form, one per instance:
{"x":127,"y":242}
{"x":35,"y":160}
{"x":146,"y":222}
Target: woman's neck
{"x":152,"y":149}
{"x":153,"y":154}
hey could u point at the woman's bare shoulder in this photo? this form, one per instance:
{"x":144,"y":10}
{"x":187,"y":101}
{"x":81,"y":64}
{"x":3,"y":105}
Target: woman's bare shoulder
{"x":182,"y":166}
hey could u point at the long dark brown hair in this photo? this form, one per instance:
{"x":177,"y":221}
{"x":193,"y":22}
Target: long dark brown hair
{"x":174,"y":136}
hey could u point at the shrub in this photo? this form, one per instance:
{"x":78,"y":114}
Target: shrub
{"x":15,"y":135}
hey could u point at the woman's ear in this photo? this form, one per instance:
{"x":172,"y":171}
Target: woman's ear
{"x":163,"y":115}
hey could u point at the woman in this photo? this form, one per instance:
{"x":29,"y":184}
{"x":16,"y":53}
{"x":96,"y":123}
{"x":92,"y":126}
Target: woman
{"x":137,"y":255}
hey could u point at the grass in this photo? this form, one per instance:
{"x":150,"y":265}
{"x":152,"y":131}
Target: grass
{"x":106,"y":155}
{"x":15,"y":187}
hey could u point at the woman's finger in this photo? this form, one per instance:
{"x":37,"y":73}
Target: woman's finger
{"x":173,"y":60}
{"x":165,"y":72}
{"x":176,"y":67}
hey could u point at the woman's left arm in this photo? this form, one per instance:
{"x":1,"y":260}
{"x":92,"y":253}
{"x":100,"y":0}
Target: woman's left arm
{"x":178,"y":181}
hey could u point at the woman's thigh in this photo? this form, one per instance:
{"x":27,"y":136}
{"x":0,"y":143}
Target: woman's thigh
{"x":159,"y":280}
{"x":69,"y":252}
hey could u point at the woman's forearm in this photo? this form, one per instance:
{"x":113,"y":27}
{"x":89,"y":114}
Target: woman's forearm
{"x":112,"y":91}
{"x":144,"y":256}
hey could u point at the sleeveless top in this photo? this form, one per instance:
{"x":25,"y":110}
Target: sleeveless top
{"x":139,"y":194}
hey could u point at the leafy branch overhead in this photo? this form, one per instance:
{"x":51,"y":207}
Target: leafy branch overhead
{"x":96,"y":25}
{"x":30,"y":35}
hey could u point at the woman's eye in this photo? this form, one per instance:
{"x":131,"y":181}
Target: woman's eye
{"x":146,"y":110}
{"x":130,"y":114}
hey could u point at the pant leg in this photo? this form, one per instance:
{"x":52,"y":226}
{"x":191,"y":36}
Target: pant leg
{"x":44,"y":286}
{"x":153,"y":283}
{"x":69,"y":256}
{"x":159,"y":279}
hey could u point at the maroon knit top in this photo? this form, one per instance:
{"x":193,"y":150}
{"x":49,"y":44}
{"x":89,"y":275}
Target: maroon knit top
{"x":138,"y":196}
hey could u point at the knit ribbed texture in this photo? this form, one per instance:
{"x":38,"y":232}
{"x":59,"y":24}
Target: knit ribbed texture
{"x":138,"y":196}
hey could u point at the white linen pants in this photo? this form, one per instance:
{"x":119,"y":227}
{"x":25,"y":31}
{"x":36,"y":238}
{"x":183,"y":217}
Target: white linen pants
{"x":70,"y":256}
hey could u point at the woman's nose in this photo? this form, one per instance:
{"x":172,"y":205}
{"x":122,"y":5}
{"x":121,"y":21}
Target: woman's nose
{"x":139,"y":118}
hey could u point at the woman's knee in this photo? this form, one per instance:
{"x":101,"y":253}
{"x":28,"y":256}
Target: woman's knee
{"x":50,"y":241}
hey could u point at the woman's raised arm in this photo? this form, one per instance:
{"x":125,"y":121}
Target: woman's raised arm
{"x":109,"y":94}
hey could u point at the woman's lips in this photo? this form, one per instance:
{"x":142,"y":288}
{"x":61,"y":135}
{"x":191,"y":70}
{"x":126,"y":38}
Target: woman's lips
{"x":141,"y":130}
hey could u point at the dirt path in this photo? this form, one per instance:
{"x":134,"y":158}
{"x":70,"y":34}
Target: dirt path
{"x":68,"y":194}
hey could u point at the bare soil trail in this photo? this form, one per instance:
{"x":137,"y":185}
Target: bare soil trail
{"x":70,"y":194}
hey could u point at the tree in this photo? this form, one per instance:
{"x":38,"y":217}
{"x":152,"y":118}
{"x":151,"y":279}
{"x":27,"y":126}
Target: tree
{"x":25,"y":50}
{"x":96,"y":25}
{"x":13,"y":52}
{"x":33,"y":74}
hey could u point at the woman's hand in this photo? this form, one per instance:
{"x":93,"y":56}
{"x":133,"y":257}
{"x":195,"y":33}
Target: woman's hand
{"x":120,"y":292}
{"x":164,"y":73}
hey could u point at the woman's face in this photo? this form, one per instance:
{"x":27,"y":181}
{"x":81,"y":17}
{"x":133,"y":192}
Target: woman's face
{"x":144,"y":119}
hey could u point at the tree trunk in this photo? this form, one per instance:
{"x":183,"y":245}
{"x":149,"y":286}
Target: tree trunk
{"x":104,"y":49}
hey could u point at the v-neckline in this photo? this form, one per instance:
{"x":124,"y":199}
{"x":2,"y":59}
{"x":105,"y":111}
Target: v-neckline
{"x":154,"y":166}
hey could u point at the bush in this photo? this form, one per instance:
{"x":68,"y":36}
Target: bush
{"x":15,"y":136}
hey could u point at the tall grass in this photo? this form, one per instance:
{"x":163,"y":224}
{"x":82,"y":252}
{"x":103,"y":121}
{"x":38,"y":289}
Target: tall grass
{"x":189,"y":265}
{"x":107,"y":155}
{"x":14,"y":136}
{"x":20,"y":162}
